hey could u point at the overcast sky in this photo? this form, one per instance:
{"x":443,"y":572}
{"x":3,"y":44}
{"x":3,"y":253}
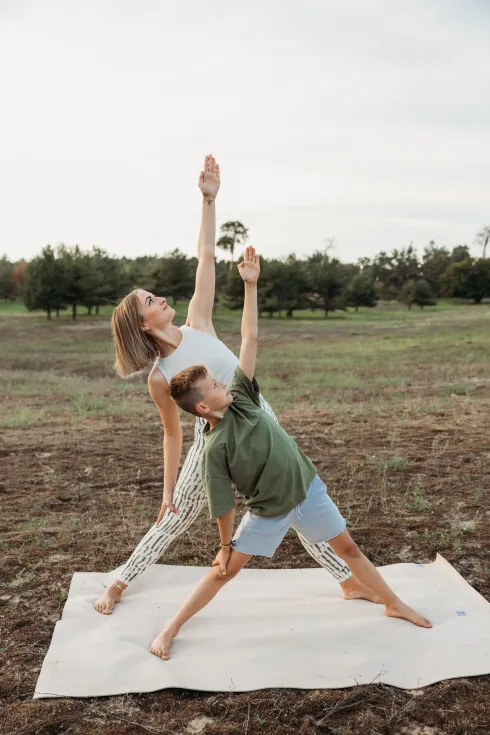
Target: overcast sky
{"x":363,"y":120}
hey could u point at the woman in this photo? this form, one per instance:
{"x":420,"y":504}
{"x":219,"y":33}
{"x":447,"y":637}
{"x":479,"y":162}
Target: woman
{"x":144,"y":333}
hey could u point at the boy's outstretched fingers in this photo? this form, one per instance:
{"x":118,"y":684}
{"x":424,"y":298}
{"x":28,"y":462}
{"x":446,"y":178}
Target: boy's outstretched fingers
{"x":251,"y":255}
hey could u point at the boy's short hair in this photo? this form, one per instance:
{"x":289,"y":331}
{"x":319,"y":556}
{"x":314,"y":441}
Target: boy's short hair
{"x":185,"y":389}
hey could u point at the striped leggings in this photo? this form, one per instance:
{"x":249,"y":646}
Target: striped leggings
{"x":190,"y":498}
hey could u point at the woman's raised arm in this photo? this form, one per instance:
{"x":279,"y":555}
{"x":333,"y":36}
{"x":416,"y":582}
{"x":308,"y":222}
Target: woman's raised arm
{"x":200,"y":314}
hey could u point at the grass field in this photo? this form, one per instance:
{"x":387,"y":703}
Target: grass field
{"x":392,"y":406}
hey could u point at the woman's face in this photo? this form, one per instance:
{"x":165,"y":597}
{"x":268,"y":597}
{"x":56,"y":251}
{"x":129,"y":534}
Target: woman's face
{"x":156,"y":314}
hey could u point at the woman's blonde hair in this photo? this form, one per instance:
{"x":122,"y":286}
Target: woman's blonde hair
{"x":135,"y":349}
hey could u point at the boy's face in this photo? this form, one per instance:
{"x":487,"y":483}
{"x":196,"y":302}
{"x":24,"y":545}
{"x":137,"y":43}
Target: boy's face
{"x":215,"y":396}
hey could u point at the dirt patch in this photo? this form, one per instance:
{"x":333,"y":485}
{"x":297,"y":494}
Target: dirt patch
{"x":77,"y":494}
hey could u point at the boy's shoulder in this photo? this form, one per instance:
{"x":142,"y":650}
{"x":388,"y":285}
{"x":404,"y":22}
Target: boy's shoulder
{"x":242,"y":388}
{"x":240,"y":377}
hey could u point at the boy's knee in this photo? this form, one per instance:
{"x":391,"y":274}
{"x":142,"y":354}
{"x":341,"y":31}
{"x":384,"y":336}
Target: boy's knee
{"x":223,"y":578}
{"x":349,"y":550}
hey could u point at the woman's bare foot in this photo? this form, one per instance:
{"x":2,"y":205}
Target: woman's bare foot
{"x":161,"y":645}
{"x":400,"y":610}
{"x":352,"y":589}
{"x":105,"y":603}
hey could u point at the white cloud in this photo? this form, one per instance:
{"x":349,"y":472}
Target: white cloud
{"x":367,"y":121}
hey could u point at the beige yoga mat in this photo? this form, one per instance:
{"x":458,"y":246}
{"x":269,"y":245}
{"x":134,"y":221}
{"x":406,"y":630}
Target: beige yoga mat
{"x":267,"y":628}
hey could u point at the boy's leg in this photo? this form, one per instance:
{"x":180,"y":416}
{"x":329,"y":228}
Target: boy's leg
{"x":254,"y":536}
{"x":206,"y":590}
{"x":316,"y":518}
{"x":351,"y":587}
{"x":347,"y":549}
{"x":189,"y":498}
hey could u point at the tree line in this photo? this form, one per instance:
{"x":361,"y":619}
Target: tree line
{"x":68,"y":277}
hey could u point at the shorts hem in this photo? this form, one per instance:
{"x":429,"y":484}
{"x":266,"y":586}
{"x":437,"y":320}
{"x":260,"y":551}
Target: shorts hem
{"x":329,"y":538}
{"x":236,"y":546}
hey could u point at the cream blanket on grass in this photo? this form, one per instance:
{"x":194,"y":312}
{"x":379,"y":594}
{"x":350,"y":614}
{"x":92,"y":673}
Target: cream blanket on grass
{"x":267,"y":629}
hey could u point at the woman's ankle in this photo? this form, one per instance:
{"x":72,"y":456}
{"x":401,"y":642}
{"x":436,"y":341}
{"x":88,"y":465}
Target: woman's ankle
{"x":120,"y":586}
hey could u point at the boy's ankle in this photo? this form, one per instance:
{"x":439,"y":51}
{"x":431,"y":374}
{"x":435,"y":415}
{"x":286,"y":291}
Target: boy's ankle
{"x":172,"y":628}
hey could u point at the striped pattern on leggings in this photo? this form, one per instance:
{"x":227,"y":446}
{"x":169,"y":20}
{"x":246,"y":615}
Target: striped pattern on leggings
{"x":190,"y":498}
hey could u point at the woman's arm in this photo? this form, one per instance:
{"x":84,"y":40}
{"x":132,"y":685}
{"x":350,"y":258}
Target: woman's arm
{"x":200,"y":314}
{"x":172,"y":437}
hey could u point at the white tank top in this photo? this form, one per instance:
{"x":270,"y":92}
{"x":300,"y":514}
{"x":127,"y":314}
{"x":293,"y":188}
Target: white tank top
{"x":199,"y":348}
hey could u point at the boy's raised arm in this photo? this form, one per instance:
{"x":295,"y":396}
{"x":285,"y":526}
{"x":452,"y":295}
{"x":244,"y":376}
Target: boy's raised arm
{"x":249,"y":271}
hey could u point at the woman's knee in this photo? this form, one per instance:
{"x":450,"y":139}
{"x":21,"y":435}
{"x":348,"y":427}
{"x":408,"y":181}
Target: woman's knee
{"x":173,"y":525}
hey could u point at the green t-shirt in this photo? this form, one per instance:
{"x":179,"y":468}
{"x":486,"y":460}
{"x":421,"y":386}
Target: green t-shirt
{"x":248,"y":448}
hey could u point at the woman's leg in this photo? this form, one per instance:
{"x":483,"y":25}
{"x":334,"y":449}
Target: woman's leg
{"x":346,"y":548}
{"x":189,"y":498}
{"x":206,"y":590}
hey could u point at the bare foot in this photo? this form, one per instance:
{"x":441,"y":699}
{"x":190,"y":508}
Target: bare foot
{"x":406,"y":613}
{"x":105,"y":603}
{"x":161,"y":645}
{"x":352,"y":589}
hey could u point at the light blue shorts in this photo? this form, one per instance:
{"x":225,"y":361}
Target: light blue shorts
{"x":317,"y":518}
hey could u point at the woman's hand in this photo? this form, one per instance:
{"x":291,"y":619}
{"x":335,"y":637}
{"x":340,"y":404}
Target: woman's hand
{"x":250,"y":266}
{"x":222,"y":559}
{"x":209,"y":180}
{"x":167,"y":504}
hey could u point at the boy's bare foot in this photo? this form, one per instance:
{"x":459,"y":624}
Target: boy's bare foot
{"x":161,"y":645}
{"x":406,"y":613}
{"x":105,"y":603}
{"x":352,"y":589}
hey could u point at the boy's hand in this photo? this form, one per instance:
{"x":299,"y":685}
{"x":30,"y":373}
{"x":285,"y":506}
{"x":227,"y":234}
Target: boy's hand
{"x":222,"y":558}
{"x":250,"y":266}
{"x":209,"y":180}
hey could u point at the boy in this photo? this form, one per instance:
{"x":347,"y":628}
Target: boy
{"x":280,"y":484}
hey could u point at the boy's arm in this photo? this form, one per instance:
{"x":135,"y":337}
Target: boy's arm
{"x":200,"y":311}
{"x":249,"y":271}
{"x":226,"y":523}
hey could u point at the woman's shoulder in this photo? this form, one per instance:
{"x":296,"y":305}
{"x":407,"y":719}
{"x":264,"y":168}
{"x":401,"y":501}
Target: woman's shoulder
{"x":200,"y":327}
{"x":156,"y":378}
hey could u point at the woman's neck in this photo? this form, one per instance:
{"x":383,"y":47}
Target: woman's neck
{"x":168,"y":340}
